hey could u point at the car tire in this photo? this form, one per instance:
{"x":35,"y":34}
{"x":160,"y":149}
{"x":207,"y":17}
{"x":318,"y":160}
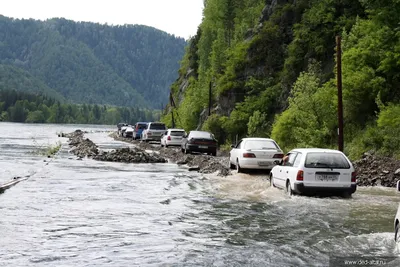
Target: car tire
{"x":187,"y":151}
{"x":232,"y":166}
{"x":239,"y":170}
{"x":182,"y":150}
{"x":288,"y":189}
{"x":396,"y":232}
{"x":166,"y":145}
{"x":346,"y":195}
{"x":214,"y":154}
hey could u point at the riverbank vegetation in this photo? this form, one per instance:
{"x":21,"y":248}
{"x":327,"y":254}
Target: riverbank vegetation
{"x":36,"y":108}
{"x":271,"y":68}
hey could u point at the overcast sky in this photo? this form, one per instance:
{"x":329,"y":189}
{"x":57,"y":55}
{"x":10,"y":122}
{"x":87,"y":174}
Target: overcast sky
{"x":179,"y":17}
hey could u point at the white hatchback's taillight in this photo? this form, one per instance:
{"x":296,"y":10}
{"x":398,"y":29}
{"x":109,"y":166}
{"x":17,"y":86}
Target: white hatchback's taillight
{"x":169,"y":138}
{"x":353,"y":177}
{"x":300,"y":176}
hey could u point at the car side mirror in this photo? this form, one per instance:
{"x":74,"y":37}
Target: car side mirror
{"x":233,"y":146}
{"x":398,"y":186}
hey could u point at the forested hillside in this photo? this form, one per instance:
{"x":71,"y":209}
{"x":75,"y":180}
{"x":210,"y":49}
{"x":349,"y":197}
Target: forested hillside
{"x":89,"y":63}
{"x":271,"y":67}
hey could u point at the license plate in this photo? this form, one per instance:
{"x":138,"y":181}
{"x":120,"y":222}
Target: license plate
{"x":263,"y":163}
{"x":326,"y":177}
{"x":204,"y":147}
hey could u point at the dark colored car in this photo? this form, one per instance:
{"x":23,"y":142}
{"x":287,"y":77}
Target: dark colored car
{"x":199,"y":141}
{"x":138,"y":129}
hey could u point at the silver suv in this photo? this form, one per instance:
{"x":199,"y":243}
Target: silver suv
{"x":153,"y":131}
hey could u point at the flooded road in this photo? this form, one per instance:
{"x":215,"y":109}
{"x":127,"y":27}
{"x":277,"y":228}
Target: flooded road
{"x":87,"y":213}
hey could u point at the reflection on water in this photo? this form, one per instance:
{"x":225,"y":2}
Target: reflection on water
{"x":85,"y":213}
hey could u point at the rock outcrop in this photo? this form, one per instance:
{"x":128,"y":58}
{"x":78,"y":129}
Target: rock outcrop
{"x":130,"y":155}
{"x":81,"y":146}
{"x":84,"y":147}
{"x":374,"y":170}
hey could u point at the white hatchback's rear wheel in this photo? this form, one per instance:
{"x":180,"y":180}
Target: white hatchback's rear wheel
{"x":288,"y":190}
{"x":396,"y":232}
{"x":238,"y":166}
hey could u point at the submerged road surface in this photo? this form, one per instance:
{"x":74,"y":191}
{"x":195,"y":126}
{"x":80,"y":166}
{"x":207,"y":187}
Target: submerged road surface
{"x":86,"y":213}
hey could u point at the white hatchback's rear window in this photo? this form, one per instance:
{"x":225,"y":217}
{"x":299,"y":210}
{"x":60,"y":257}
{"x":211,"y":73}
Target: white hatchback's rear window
{"x":260,"y":144}
{"x":177,"y":133}
{"x":326,"y":160}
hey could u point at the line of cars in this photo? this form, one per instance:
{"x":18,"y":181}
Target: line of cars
{"x":194,"y":141}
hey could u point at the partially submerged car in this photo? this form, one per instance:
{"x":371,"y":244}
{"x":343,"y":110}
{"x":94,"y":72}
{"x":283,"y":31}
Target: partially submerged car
{"x":172,"y":137}
{"x":199,"y":141}
{"x":153,"y":131}
{"x":255,"y":153}
{"x":397,"y":219}
{"x":315,"y":170}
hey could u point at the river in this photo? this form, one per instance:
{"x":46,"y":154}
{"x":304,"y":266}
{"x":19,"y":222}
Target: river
{"x":85,"y":213}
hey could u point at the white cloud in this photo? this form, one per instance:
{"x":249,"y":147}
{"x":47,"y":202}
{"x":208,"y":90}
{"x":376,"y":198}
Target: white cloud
{"x":179,"y":17}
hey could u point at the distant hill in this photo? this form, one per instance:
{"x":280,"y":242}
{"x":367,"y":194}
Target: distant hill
{"x":14,"y":78}
{"x":90,"y":63}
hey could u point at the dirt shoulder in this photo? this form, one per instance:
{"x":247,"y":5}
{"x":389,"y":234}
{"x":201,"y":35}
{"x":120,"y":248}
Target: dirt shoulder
{"x":197,"y":162}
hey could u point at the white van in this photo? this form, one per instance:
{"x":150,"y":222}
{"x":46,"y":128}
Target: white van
{"x":153,"y":131}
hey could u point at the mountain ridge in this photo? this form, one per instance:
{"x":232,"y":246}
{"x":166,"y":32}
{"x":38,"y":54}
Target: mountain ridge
{"x":130,"y":65}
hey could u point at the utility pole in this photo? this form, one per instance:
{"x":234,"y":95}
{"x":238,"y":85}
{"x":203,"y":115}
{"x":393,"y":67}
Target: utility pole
{"x":172,"y":104}
{"x":173,"y":120}
{"x":339,"y":87}
{"x":209,"y":99}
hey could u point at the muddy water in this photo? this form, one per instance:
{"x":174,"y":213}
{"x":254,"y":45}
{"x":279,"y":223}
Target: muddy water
{"x":86,"y":213}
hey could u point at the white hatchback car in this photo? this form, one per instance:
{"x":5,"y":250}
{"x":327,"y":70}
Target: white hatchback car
{"x":397,"y":220}
{"x":315,"y":170}
{"x":255,"y":153}
{"x":172,"y":137}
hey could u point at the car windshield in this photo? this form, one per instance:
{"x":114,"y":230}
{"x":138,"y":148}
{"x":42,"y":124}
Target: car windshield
{"x":201,"y":135}
{"x":260,"y":144}
{"x":326,"y":160}
{"x":177,"y":133}
{"x":157,"y":127}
